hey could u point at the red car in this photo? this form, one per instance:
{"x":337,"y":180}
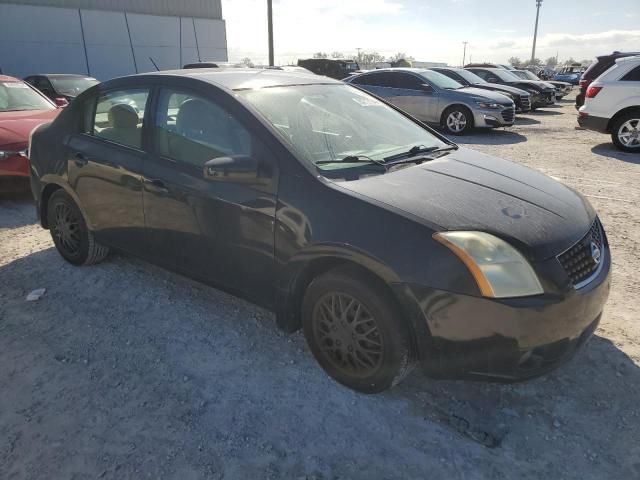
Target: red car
{"x":22,"y":109}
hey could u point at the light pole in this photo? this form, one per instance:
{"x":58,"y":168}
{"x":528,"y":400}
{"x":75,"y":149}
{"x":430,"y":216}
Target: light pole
{"x":270,"y":29}
{"x":535,"y":31}
{"x":464,"y":53}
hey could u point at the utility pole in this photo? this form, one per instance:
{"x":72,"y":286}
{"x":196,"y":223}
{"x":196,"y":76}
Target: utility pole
{"x":359,"y":57}
{"x":270,"y":28}
{"x":535,"y":31}
{"x":464,"y":53}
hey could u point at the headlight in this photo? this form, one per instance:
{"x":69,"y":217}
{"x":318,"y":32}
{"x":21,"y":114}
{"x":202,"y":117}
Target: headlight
{"x":499,"y":269}
{"x":532,"y":91}
{"x":493,"y":106}
{"x":7,"y":153}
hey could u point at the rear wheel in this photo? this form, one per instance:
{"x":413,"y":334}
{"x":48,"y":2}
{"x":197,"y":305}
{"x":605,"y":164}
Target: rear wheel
{"x":355,"y":331}
{"x":457,"y":120}
{"x":73,"y":240}
{"x":625,"y":132}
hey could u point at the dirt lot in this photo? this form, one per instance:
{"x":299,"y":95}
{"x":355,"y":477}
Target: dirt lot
{"x":124,"y":370}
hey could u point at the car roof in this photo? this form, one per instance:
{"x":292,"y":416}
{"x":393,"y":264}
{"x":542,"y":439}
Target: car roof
{"x":247,"y":78}
{"x":60,"y":75}
{"x":7,"y":78}
{"x":623,"y":60}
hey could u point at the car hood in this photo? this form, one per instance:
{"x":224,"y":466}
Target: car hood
{"x":481,"y":95}
{"x":15,"y":127}
{"x":538,"y":86}
{"x":503,"y":88}
{"x":558,"y":82}
{"x":467,"y":190}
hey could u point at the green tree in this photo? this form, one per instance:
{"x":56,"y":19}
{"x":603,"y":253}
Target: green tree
{"x":399,"y":56}
{"x":368,"y":60}
{"x":247,"y":62}
{"x":551,"y":62}
{"x":337,"y":54}
{"x":320,"y":55}
{"x":515,"y":61}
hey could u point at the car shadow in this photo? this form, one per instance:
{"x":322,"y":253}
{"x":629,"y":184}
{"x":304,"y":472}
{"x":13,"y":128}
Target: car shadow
{"x":16,"y":209}
{"x":609,"y":150}
{"x":489,"y":137}
{"x":487,"y":413}
{"x":527,"y":121}
{"x":545,"y":112}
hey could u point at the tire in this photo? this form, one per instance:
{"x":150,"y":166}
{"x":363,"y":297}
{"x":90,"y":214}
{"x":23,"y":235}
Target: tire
{"x":457,"y":120}
{"x":368,"y":348}
{"x":69,"y":231}
{"x":625,"y":132}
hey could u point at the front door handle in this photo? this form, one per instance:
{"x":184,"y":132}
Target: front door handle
{"x":155,"y":186}
{"x":80,"y":160}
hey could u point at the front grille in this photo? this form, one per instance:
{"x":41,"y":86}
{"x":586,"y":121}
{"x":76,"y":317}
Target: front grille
{"x":508,"y":114}
{"x":579,"y":261}
{"x":525,"y":102}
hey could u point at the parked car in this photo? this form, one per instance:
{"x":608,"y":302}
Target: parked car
{"x":437,"y":99}
{"x":384,"y":241}
{"x":22,"y":109}
{"x":542,"y":94}
{"x":61,"y":88}
{"x":597,"y":68}
{"x":329,"y":67}
{"x":612,"y":104}
{"x":570,"y":74}
{"x":189,"y":66}
{"x":504,"y":66}
{"x":562,"y":88}
{"x":521,"y":98}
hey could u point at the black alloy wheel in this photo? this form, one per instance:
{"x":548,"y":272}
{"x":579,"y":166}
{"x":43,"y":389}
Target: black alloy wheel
{"x":71,"y":236}
{"x":356,"y":331}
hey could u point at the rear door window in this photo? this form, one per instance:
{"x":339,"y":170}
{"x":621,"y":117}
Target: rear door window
{"x":381,"y":79}
{"x":406,"y":81}
{"x":119,"y":117}
{"x":632,"y":76}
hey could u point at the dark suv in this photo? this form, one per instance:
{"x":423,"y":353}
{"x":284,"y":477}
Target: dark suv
{"x":334,"y":68}
{"x":597,"y":68}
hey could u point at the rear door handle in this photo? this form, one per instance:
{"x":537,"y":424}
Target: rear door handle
{"x":155,"y":186}
{"x":80,"y":160}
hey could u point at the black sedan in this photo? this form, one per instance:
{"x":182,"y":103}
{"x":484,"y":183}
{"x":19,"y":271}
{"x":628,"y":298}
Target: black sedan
{"x":384,"y":241}
{"x":61,"y":88}
{"x":542,"y":94}
{"x":521,"y":98}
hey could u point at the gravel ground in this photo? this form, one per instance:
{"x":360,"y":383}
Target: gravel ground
{"x":124,"y":370}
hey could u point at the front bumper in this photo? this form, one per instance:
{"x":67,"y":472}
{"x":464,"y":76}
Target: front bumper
{"x":14,"y":166}
{"x":493,"y":118}
{"x":599,"y":124}
{"x":510,"y":339}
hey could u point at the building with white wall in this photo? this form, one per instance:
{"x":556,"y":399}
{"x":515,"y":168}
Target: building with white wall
{"x":108,"y":38}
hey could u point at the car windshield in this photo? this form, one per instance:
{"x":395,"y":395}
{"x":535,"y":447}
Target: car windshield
{"x":18,"y":96}
{"x":72,"y":86}
{"x":526,"y":74}
{"x":505,"y":75}
{"x":440,"y":80}
{"x":328,"y":123}
{"x":470,"y":76}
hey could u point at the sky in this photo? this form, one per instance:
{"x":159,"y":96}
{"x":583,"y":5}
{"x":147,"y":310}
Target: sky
{"x":432,"y":30}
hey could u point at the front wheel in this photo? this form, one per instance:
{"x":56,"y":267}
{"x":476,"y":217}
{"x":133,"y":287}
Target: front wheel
{"x":625,"y":132}
{"x":355,"y":331}
{"x":70,"y":234}
{"x":457,"y":120}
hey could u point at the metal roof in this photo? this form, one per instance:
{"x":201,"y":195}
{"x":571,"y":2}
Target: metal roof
{"x":185,"y":8}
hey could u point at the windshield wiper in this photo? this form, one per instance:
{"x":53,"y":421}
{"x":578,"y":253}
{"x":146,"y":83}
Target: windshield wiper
{"x":417,"y":150}
{"x":353,"y":159}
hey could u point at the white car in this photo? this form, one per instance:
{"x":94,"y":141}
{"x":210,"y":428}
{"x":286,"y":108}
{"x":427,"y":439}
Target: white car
{"x":612,"y":104}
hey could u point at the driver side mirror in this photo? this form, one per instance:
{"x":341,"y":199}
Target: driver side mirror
{"x":425,"y":87}
{"x":236,"y":169}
